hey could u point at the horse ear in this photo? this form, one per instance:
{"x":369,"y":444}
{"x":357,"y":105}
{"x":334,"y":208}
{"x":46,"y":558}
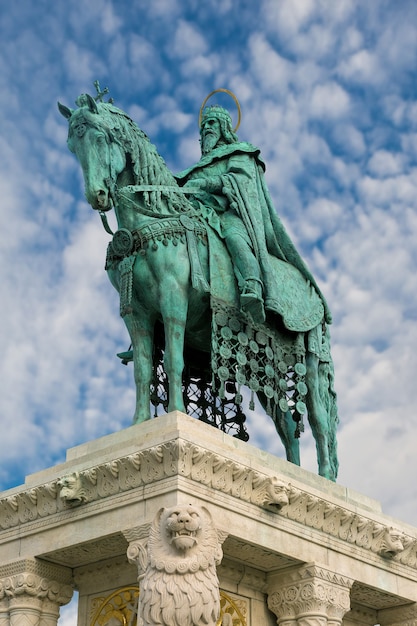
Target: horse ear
{"x":65,"y":111}
{"x":92,"y":104}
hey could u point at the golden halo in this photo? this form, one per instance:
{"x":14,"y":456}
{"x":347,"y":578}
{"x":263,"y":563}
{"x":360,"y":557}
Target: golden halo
{"x":232,"y":95}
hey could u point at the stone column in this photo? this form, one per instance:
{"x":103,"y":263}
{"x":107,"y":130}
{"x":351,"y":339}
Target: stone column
{"x":4,"y":610}
{"x":24,"y":610}
{"x":32,"y":591}
{"x":308,"y":595}
{"x":50,"y":612}
{"x":399,"y":616}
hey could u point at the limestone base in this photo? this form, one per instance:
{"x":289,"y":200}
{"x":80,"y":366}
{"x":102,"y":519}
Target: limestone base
{"x":297,"y":548}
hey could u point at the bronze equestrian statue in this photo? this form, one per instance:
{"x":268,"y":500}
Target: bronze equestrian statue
{"x":204,"y":256}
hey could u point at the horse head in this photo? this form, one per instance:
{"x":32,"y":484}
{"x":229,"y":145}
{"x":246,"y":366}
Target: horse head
{"x":101,"y":157}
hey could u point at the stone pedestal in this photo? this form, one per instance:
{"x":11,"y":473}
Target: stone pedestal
{"x":297,"y":549}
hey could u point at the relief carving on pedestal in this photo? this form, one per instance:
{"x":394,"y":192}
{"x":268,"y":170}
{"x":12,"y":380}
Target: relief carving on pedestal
{"x":219,"y":473}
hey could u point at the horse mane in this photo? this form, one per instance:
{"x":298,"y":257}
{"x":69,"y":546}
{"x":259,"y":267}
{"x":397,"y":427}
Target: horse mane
{"x":148,"y":167}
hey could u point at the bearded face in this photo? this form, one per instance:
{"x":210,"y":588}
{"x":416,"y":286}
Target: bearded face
{"x":211,"y":134}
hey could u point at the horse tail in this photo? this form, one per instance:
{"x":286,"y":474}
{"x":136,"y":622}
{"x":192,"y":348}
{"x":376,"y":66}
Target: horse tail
{"x":329,"y":399}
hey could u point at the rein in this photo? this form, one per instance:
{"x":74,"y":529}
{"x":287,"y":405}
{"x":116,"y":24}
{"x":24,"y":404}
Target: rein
{"x":177,"y":189}
{"x":143,"y":189}
{"x":105,"y":223}
{"x":126,"y":244}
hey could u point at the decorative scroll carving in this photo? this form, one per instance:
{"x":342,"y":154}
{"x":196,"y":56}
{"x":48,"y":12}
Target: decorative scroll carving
{"x":34,"y":585}
{"x":344,"y":524}
{"x":179,"y":583}
{"x":137,"y":551}
{"x":32,"y":592}
{"x":179,"y":457}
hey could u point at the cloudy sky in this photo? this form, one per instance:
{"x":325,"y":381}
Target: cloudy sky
{"x":328,"y":92}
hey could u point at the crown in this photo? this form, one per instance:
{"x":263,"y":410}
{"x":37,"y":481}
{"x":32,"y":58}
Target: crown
{"x":216,"y":112}
{"x":82,"y":100}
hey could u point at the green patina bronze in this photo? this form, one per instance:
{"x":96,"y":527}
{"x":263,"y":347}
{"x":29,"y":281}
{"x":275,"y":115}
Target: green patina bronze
{"x":204,"y":257}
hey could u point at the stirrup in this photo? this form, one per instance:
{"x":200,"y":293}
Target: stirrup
{"x":252,"y":301}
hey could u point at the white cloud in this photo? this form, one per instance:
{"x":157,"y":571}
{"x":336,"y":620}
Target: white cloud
{"x":271,"y":70}
{"x":329,"y":101}
{"x":385,"y":192}
{"x":363,"y":67}
{"x":188,"y":41}
{"x":201,"y":65}
{"x":383,"y":164}
{"x":80,"y":64}
{"x":349,"y":139}
{"x":162,"y":9}
{"x":287,"y":17}
{"x":110,"y":23}
{"x":321,"y":218}
{"x":352,"y":40}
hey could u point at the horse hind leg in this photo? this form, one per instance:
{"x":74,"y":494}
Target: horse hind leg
{"x":285,"y":427}
{"x":318,"y":418}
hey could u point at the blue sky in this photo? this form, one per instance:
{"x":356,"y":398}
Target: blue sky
{"x":328,"y":93}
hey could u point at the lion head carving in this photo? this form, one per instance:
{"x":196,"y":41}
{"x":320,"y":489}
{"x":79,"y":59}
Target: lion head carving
{"x":180,"y":585}
{"x":71,"y":489}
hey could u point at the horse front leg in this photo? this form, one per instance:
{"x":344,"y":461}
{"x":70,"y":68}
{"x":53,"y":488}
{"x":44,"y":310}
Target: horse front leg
{"x":318,"y":418}
{"x":286,"y":428}
{"x":174,"y":307}
{"x":174,"y":361}
{"x":141,"y":333}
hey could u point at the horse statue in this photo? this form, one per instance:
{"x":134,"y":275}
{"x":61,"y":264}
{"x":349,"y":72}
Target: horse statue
{"x":173,"y":271}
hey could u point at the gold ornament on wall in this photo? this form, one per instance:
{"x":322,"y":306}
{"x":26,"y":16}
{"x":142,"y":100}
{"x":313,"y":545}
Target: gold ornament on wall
{"x":121,"y":607}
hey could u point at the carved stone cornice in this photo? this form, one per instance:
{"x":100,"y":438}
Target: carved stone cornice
{"x":399,"y":616}
{"x":194,"y":462}
{"x":307,"y":590}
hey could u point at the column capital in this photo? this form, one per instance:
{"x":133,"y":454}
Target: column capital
{"x":310,"y":593}
{"x":36,"y":578}
{"x":31,"y":592}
